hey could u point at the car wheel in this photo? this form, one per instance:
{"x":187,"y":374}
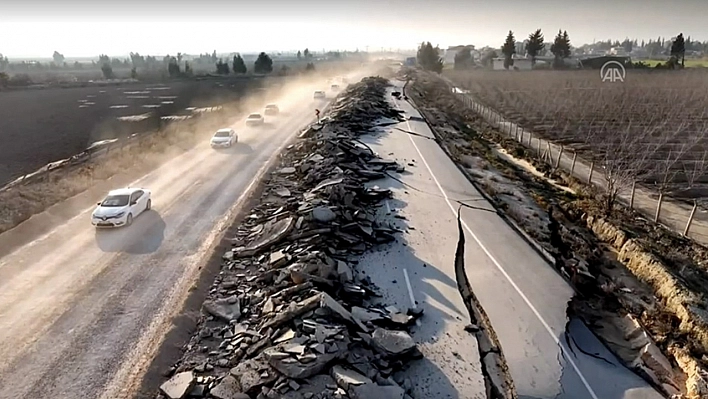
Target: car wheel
{"x":149,"y":205}
{"x":129,"y":220}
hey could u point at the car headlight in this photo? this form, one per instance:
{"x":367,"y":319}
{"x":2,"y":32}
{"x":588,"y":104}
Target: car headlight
{"x":120,"y":214}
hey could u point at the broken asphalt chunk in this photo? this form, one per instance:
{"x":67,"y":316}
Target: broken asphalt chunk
{"x":227,"y":309}
{"x":392,"y":343}
{"x":179,"y":385}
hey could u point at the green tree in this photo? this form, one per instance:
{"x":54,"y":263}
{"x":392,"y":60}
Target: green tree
{"x":107,"y":70}
{"x":310,"y":67}
{"x":133,"y":73}
{"x":4,"y":62}
{"x":678,"y":49}
{"x":463,"y":59}
{"x":222,"y":68}
{"x":560,"y":48}
{"x":173,"y":67}
{"x":263,"y":64}
{"x":58,"y":58}
{"x":188,"y":69}
{"x":238,"y":65}
{"x":299,"y":55}
{"x":307,"y":54}
{"x":509,"y":49}
{"x":428,"y":57}
{"x":535,"y":45}
{"x":4,"y":79}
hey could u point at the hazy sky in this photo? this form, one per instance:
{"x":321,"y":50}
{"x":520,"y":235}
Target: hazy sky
{"x":86,"y":28}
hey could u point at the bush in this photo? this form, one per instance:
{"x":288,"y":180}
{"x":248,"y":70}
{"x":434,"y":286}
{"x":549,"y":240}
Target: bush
{"x":20,"y":79}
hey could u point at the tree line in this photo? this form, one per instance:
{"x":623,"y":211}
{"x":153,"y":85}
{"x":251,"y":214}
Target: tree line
{"x":430,"y":58}
{"x":175,"y":66}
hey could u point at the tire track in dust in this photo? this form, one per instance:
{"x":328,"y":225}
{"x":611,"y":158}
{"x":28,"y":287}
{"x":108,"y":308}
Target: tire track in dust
{"x":57,"y":286}
{"x":83,"y":335}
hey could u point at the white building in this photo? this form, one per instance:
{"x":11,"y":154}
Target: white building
{"x":451,"y":52}
{"x":617,"y":51}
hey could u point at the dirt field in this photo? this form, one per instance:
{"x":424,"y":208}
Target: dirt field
{"x":640,"y":288}
{"x":44,"y":125}
{"x":652,"y":127}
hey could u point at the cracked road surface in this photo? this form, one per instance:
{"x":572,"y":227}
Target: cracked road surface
{"x":82,"y":311}
{"x":523,"y":296}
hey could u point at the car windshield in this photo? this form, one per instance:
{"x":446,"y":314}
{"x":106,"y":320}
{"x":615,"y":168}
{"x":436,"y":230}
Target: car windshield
{"x":271,"y":106}
{"x":254,"y":116}
{"x":116,"y":200}
{"x":222,"y":133}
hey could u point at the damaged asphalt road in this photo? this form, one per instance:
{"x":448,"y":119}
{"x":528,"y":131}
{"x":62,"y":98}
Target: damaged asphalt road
{"x":524,"y":298}
{"x":289,"y":316}
{"x":346,"y":282}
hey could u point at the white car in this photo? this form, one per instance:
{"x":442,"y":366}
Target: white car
{"x":271,"y":109}
{"x":334,"y":87}
{"x":255,"y":119}
{"x":319,"y":95}
{"x":121,"y":206}
{"x":224,"y":138}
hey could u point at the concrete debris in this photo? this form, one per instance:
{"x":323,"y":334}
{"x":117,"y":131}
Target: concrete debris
{"x":392,"y":343}
{"x":289,"y":314}
{"x":179,"y":385}
{"x":226,"y":309}
{"x":346,"y":378}
{"x":228,"y":388}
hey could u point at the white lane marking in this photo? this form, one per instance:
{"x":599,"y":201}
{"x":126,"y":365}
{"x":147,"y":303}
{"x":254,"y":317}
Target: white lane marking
{"x":410,"y":289}
{"x":388,"y":208}
{"x":501,"y":269}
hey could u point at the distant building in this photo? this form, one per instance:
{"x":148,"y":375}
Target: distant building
{"x":451,"y":52}
{"x":619,"y":51}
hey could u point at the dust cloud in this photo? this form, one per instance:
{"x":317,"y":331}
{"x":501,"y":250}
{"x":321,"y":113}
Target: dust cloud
{"x":33,"y":209}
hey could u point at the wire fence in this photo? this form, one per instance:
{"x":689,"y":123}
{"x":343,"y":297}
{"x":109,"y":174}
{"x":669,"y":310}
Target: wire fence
{"x":684,"y":218}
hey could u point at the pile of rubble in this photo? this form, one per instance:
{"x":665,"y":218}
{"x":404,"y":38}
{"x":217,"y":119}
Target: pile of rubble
{"x":288,"y":316}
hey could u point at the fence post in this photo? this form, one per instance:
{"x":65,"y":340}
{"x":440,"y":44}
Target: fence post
{"x":530,"y":138}
{"x":538,"y":147}
{"x":572,"y":166}
{"x":631,"y":196}
{"x":658,"y":207}
{"x":690,"y":219}
{"x":558,"y":161}
{"x":550,"y":153}
{"x":592,"y":169}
